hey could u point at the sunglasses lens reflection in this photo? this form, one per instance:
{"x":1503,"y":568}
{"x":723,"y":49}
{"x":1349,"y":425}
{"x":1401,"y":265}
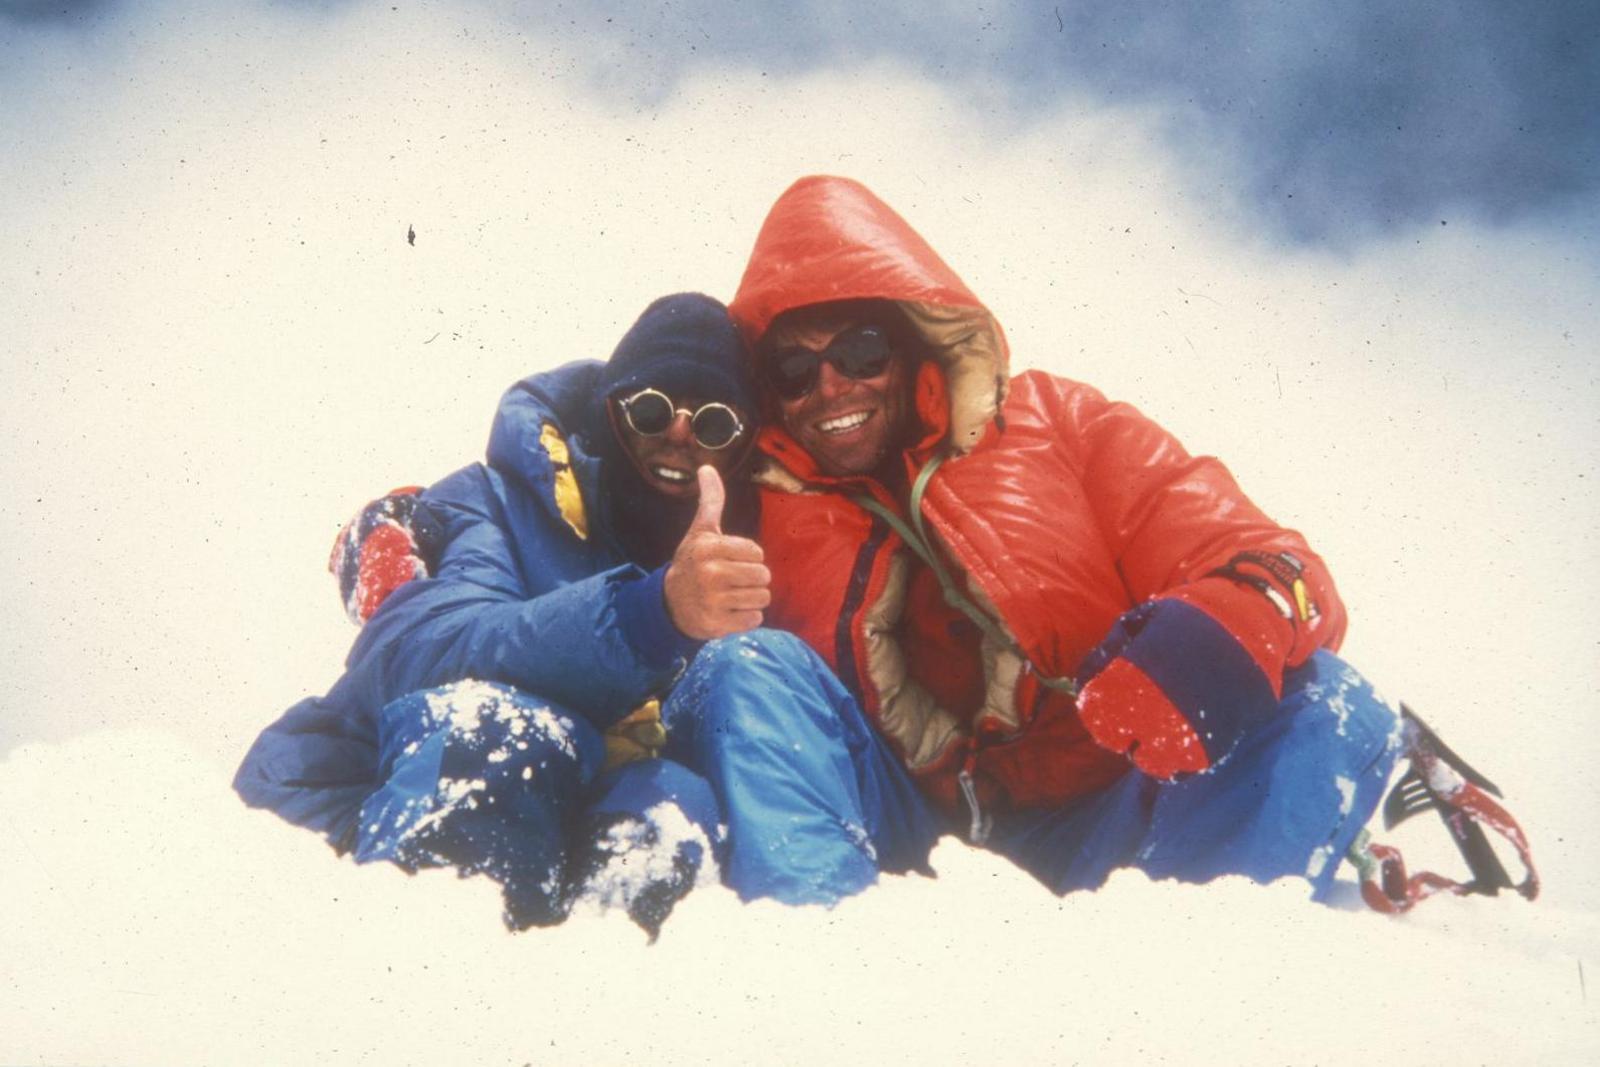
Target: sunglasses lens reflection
{"x":650,"y":413}
{"x":860,"y":353}
{"x":715,"y":426}
{"x":794,"y":372}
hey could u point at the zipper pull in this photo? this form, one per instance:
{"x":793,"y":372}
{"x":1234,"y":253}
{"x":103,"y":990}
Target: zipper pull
{"x":981,"y":822}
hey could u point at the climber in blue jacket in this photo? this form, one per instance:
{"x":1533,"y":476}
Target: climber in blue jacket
{"x":573,"y":695}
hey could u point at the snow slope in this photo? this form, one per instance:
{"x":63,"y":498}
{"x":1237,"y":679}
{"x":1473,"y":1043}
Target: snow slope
{"x":153,"y":921}
{"x":219,"y":343}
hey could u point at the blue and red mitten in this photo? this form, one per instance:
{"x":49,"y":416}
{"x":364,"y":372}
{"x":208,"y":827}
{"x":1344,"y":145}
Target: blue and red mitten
{"x":388,"y":543}
{"x":1180,"y":679}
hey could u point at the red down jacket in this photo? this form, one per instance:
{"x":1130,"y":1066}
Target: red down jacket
{"x":1054,"y":509}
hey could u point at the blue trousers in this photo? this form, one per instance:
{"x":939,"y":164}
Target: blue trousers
{"x":490,"y":780}
{"x":1288,"y":801}
{"x":816,"y":802}
{"x":768,"y":756}
{"x":800,"y":800}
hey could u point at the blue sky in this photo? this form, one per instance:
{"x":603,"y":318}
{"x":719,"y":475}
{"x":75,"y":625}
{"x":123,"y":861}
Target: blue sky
{"x":1328,"y":124}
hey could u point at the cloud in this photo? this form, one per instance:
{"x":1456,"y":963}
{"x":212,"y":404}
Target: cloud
{"x":42,"y":11}
{"x":1329,"y":123}
{"x":1315,"y":123}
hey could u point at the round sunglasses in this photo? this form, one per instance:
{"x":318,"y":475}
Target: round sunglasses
{"x":650,"y":413}
{"x":861,"y":352}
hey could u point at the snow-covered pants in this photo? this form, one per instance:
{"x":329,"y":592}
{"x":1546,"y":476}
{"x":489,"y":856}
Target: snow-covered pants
{"x":1288,"y":801}
{"x":761,"y":737}
{"x":816,"y":803}
{"x":488,"y":779}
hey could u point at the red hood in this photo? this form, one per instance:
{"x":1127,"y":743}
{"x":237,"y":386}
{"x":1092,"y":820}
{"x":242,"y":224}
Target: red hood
{"x":831,"y":239}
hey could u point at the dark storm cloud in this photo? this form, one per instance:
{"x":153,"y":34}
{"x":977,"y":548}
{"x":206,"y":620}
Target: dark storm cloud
{"x":1367,"y":114}
{"x":42,"y":11}
{"x":47,"y":11}
{"x":1330,"y":121}
{"x":1325,"y":122}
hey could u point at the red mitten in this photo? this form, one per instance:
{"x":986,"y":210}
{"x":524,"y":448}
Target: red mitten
{"x":1182,"y":678}
{"x":387,"y":544}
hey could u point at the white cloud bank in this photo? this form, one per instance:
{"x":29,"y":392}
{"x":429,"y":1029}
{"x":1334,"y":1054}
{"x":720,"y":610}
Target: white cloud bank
{"x":218,"y":342}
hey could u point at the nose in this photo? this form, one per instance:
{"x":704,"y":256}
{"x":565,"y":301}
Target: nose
{"x":679,"y":432}
{"x":830,"y":382}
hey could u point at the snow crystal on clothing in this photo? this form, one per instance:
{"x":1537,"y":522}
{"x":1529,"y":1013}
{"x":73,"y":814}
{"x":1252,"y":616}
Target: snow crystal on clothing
{"x":861,"y":839}
{"x":1335,"y":701}
{"x":642,"y":853}
{"x":451,"y":794}
{"x":1320,"y":857}
{"x":467,"y":706}
{"x":1347,"y":793}
{"x":1318,"y":861}
{"x":557,"y":728}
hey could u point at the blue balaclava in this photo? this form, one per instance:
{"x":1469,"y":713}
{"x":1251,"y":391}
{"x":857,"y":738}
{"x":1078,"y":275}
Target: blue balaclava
{"x":684,"y":345}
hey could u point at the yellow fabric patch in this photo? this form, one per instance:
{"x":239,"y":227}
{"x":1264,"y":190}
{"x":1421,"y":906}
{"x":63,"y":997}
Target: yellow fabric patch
{"x":568,"y":499}
{"x":639,"y":736}
{"x":1302,"y":599}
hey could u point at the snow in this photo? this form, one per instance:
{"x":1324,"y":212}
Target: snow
{"x":1320,"y":858}
{"x":1347,"y":792}
{"x":166,"y":924}
{"x":467,"y":704}
{"x":199,"y":400}
{"x":642,"y":853}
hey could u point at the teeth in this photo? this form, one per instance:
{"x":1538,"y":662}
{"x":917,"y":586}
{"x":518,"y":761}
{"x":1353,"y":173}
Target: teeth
{"x":843,"y":422}
{"x":670,"y":474}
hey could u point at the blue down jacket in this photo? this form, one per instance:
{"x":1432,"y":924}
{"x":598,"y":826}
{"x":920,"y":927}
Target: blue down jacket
{"x":531,"y":590}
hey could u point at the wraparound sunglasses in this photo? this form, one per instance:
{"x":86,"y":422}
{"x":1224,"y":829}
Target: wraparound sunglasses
{"x":650,"y":412}
{"x":861,"y":352}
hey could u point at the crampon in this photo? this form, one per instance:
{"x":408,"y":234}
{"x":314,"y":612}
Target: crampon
{"x":1441,"y":781}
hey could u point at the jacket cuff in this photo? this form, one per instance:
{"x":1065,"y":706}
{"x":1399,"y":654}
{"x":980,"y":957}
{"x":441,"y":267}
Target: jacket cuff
{"x":1250,"y":619}
{"x":642,"y":617}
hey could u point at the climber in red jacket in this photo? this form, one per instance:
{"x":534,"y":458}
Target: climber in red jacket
{"x":1087,"y":644}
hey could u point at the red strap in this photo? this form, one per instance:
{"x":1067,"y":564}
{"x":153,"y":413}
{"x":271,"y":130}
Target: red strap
{"x":1478,"y":806}
{"x":1385,"y":885}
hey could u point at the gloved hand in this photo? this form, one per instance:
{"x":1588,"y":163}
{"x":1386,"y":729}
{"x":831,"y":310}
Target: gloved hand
{"x":1182,"y":678}
{"x":638,"y":735}
{"x":385,"y":545}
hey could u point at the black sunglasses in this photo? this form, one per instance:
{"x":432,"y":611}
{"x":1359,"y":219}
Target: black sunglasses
{"x":650,"y":413}
{"x":861,"y":352}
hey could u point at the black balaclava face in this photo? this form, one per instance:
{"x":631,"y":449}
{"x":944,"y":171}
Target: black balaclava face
{"x":683,"y":345}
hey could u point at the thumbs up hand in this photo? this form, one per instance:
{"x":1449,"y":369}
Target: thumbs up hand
{"x":708,"y":515}
{"x":716,"y":584}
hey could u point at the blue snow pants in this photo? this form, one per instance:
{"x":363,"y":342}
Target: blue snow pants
{"x":768,"y":755}
{"x":491,"y":780}
{"x":815,"y":801}
{"x":1288,"y":801}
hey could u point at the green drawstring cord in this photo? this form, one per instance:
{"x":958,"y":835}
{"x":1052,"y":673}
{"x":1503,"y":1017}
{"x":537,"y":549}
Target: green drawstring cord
{"x":917,"y":540}
{"x":1361,"y":858}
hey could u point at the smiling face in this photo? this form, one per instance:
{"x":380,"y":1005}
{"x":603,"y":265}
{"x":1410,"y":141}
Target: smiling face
{"x":667,"y":461}
{"x":849,"y":425}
